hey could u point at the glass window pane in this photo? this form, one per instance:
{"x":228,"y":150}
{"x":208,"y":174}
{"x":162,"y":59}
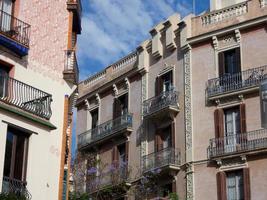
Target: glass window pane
{"x":8,"y":153}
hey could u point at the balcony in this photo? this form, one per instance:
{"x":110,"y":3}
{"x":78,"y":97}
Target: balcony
{"x":103,"y":132}
{"x":110,"y":184}
{"x":166,"y":158}
{"x":243,"y":82}
{"x":14,"y":34}
{"x":25,"y":97}
{"x":16,"y":187}
{"x":160,"y":106}
{"x":71,"y":70}
{"x":244,"y":143}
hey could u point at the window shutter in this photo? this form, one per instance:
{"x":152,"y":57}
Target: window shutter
{"x":116,"y":108}
{"x":219,"y":123}
{"x":173,"y":186}
{"x":221,"y":64}
{"x":221,"y":186}
{"x":158,"y":142}
{"x":243,"y":125}
{"x":157,"y":86}
{"x":246,"y":177}
{"x":238,"y":63}
{"x":171,"y":77}
{"x":127,"y":150}
{"x":173,"y":134}
{"x":160,"y":85}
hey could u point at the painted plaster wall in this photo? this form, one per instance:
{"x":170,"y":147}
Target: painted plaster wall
{"x":42,"y":69}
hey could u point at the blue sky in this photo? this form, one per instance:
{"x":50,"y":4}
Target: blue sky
{"x":112,"y":29}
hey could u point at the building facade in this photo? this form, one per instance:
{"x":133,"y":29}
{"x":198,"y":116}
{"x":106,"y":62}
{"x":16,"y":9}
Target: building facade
{"x":38,"y":83}
{"x":186,"y":103}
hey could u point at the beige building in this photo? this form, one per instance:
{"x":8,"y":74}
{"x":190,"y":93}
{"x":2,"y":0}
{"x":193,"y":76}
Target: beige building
{"x":185,"y":102}
{"x":38,"y":82}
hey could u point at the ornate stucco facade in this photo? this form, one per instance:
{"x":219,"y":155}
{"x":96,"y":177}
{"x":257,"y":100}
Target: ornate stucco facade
{"x":193,"y":105}
{"x":39,"y":76}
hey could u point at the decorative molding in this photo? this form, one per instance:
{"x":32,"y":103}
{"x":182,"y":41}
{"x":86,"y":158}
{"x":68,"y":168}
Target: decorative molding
{"x":86,"y":103}
{"x":127,"y":83}
{"x":232,"y":163}
{"x":166,"y":69}
{"x":143,"y":132}
{"x":238,"y":36}
{"x":215,"y":42}
{"x":115,"y":90}
{"x":98,"y":99}
{"x":188,"y":122}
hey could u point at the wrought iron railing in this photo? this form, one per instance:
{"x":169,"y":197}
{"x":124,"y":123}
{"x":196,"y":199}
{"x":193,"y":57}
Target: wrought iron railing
{"x":25,"y":97}
{"x":115,"y":174}
{"x":235,"y":143}
{"x":71,"y":64}
{"x":156,"y":160}
{"x":16,"y":187}
{"x":106,"y":129}
{"x":14,"y":28}
{"x":167,"y":98}
{"x":234,"y":82}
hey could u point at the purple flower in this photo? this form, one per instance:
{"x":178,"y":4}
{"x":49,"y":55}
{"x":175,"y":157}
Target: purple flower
{"x":92,"y":170}
{"x":111,"y":168}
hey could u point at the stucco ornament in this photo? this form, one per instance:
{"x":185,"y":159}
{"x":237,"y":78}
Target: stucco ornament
{"x":188,"y":119}
{"x":115,"y":90}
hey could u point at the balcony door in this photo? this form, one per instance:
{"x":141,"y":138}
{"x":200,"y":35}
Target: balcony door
{"x":6,"y":7}
{"x":15,"y":165}
{"x":164,"y":83}
{"x":232,"y":128}
{"x":4,"y":72}
{"x":94,"y":122}
{"x":230,"y":69}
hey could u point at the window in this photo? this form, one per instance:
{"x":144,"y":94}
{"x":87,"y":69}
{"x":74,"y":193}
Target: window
{"x":229,"y":62}
{"x":163,"y":138}
{"x":164,"y":83}
{"x":4,"y":72}
{"x":120,"y":106}
{"x":122,"y":153}
{"x":6,"y":6}
{"x":232,"y":121}
{"x":235,"y":185}
{"x":16,"y":154}
{"x":94,"y":115}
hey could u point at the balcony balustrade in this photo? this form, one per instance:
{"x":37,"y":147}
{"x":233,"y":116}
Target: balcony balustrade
{"x":16,"y":187}
{"x":229,"y":83}
{"x":71,"y":69}
{"x":25,"y":97}
{"x":14,"y":29}
{"x":115,"y":175}
{"x":106,"y":130}
{"x":167,"y":99}
{"x":165,"y":158}
{"x":238,"y":143}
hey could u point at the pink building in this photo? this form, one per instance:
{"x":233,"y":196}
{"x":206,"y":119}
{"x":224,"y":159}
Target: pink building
{"x":38,"y":82}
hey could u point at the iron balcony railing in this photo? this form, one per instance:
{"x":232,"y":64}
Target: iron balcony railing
{"x":16,"y":187}
{"x":14,"y":28}
{"x":165,"y":99}
{"x":237,"y":143}
{"x":25,"y":97}
{"x":106,"y":129}
{"x":235,"y":82}
{"x":71,"y":64}
{"x":156,"y":160}
{"x":114,"y":175}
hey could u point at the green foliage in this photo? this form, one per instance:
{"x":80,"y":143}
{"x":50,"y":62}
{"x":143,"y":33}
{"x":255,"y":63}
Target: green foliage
{"x":76,"y":196}
{"x":12,"y":197}
{"x":173,"y":196}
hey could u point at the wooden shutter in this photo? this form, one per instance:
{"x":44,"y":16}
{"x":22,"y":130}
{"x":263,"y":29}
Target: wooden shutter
{"x":174,"y":186}
{"x":219,"y":123}
{"x":158,"y":142}
{"x":171,"y":77}
{"x":116,"y":108}
{"x":243,"y":125}
{"x":221,"y":64}
{"x":173,"y":134}
{"x":221,"y":186}
{"x":246,"y":178}
{"x":238,"y":60}
{"x":115,"y":154}
{"x":127,"y":150}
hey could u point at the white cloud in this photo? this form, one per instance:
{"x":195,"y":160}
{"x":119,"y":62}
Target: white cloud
{"x":113,"y":28}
